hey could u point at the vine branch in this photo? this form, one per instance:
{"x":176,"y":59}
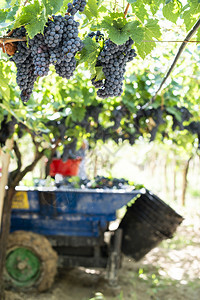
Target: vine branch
{"x":126,"y":10}
{"x":18,"y":156}
{"x":53,"y":151}
{"x":10,"y":32}
{"x":16,"y":177}
{"x":180,"y":50}
{"x":7,"y":39}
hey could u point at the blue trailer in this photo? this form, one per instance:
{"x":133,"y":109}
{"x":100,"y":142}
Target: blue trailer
{"x":53,"y":227}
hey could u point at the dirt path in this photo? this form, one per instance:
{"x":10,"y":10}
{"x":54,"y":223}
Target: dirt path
{"x":169,"y":272}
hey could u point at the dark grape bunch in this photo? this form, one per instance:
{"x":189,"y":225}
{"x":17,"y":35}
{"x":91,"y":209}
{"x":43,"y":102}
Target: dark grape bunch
{"x":40,"y":55}
{"x":157,"y":116}
{"x":58,"y":46}
{"x":194,"y":127}
{"x":69,"y":151}
{"x":53,"y":31}
{"x":24,"y":63}
{"x":26,"y":78}
{"x":98,"y":35}
{"x":23,"y":51}
{"x":113,"y":59}
{"x":185,"y":115}
{"x":6,"y":129}
{"x":121,"y":130}
{"x":97,"y":83}
{"x":97,"y":182}
{"x":77,"y":5}
{"x":117,"y":114}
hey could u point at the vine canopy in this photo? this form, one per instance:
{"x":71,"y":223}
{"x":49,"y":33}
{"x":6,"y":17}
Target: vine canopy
{"x":141,"y":21}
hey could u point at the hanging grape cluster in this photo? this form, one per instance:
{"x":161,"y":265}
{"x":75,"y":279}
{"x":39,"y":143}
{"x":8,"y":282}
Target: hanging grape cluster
{"x":194,"y":128}
{"x":98,"y":35}
{"x":58,"y":46}
{"x":77,"y":5}
{"x":7,"y":128}
{"x":113,"y":59}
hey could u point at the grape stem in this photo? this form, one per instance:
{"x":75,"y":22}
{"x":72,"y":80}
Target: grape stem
{"x":10,"y":33}
{"x":5,"y":40}
{"x":126,"y":10}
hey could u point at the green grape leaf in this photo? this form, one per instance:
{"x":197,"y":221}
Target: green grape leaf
{"x":11,"y":13}
{"x":89,"y":52}
{"x":64,"y":7}
{"x":33,"y":17}
{"x":174,"y":111}
{"x":171,"y":10}
{"x":115,"y":26}
{"x":36,"y":27}
{"x":52,"y":6}
{"x":42,"y":128}
{"x":78,"y":113}
{"x":27,"y":14}
{"x":151,"y":30}
{"x":99,"y":73}
{"x":7,"y":16}
{"x":91,"y":9}
{"x":134,"y":31}
{"x":4,"y":87}
{"x":18,"y":114}
{"x":114,"y":19}
{"x":9,"y":3}
{"x":3,"y":14}
{"x":139,"y":10}
{"x":191,"y":15}
{"x":118,"y":36}
{"x":155,"y":5}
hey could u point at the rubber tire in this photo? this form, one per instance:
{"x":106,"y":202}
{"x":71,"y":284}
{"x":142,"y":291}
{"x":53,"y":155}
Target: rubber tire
{"x":42,"y":248}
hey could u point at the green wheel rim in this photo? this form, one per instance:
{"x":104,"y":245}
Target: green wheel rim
{"x":22,"y":266}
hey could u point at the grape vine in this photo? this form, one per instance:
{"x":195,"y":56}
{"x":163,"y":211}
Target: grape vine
{"x":145,"y":123}
{"x":58,"y":46}
{"x":112,"y":59}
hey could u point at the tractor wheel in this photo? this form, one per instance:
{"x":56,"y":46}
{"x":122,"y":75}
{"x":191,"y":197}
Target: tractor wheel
{"x":31,"y":263}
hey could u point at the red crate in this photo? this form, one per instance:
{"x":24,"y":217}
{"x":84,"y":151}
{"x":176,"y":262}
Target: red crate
{"x":68,"y":168}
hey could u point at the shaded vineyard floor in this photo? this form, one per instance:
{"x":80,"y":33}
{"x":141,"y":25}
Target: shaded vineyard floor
{"x":169,"y":272}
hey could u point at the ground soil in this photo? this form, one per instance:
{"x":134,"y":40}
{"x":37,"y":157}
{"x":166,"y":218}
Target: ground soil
{"x":170,"y":271}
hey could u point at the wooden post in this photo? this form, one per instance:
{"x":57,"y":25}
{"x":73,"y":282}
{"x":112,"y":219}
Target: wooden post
{"x":174,"y":180}
{"x":5,"y":230}
{"x":95,"y":164}
{"x":165,"y":178}
{"x":5,"y":209}
{"x":5,"y":156}
{"x":185,"y":182}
